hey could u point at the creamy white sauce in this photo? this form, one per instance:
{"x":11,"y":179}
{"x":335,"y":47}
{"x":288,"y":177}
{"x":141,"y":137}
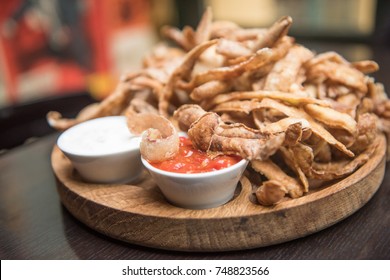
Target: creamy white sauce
{"x":99,"y":137}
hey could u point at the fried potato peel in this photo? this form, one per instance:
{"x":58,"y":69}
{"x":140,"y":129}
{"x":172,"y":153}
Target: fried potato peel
{"x":303,"y":119}
{"x":160,"y":140}
{"x":209,"y":133}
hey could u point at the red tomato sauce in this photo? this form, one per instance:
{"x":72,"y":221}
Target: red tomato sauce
{"x":191,"y":160}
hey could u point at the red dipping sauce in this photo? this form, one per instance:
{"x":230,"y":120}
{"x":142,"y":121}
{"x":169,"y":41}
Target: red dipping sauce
{"x":190,"y":160}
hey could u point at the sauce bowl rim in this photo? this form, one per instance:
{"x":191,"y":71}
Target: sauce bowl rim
{"x":241,"y":163}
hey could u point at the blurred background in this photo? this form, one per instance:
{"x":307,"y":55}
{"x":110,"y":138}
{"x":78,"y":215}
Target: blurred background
{"x":52,"y":49}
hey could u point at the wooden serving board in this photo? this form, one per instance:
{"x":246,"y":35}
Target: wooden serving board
{"x":139,"y":214}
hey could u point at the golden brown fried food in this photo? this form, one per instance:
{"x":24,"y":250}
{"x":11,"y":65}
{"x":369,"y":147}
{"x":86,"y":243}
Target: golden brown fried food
{"x":209,"y":133}
{"x":331,"y":117}
{"x":275,"y":33}
{"x":113,"y":105}
{"x":284,"y":74}
{"x":303,"y":119}
{"x":271,"y":192}
{"x":188,"y":38}
{"x":273,"y":172}
{"x":222,"y":100}
{"x":160,"y":140}
{"x":317,"y":129}
{"x":181,"y":72}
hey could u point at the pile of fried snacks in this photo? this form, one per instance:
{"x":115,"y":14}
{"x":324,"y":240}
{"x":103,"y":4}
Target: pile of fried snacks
{"x":301,"y":118}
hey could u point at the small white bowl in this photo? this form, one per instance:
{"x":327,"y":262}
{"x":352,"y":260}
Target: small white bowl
{"x":103,"y":150}
{"x":198,"y":190}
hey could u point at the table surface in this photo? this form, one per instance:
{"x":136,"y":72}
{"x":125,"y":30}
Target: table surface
{"x":35,"y":225}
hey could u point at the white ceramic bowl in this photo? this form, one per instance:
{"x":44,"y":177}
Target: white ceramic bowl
{"x":103,"y":150}
{"x":198,"y":190}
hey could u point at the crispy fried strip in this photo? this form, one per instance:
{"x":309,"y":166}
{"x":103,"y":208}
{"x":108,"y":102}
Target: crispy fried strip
{"x":302,"y":156}
{"x":203,"y":30}
{"x":366,"y":66}
{"x":273,"y":172}
{"x":232,"y":49}
{"x":182,"y":71}
{"x":60,"y":123}
{"x":113,"y":105}
{"x":188,"y":38}
{"x":285,"y":72}
{"x":270,"y":193}
{"x":143,"y":82}
{"x":293,"y":131}
{"x":162,"y":60}
{"x":321,"y":150}
{"x":347,"y":104}
{"x":233,"y":32}
{"x":138,"y":105}
{"x":245,"y":106}
{"x":255,"y":61}
{"x":246,"y":148}
{"x":209,"y":90}
{"x":339,"y":73}
{"x":367,"y":132}
{"x":332,"y":118}
{"x":223,"y":28}
{"x":209,"y":133}
{"x":277,"y":31}
{"x":335,"y":170}
{"x":282,"y":125}
{"x":260,"y":58}
{"x":176,"y":36}
{"x":326,"y":56}
{"x":239,"y":130}
{"x":294,"y":99}
{"x":189,"y":35}
{"x":317,"y":129}
{"x":298,"y":163}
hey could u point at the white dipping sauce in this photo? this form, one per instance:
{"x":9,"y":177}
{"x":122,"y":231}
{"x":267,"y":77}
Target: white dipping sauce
{"x":102,"y":136}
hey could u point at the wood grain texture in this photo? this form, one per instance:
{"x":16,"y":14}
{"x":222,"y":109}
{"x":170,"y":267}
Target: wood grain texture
{"x":139,"y":214}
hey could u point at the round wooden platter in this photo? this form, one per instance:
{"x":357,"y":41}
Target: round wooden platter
{"x":139,"y":214}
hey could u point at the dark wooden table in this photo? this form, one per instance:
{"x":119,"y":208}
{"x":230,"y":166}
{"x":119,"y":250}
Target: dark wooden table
{"x":35,"y":225}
